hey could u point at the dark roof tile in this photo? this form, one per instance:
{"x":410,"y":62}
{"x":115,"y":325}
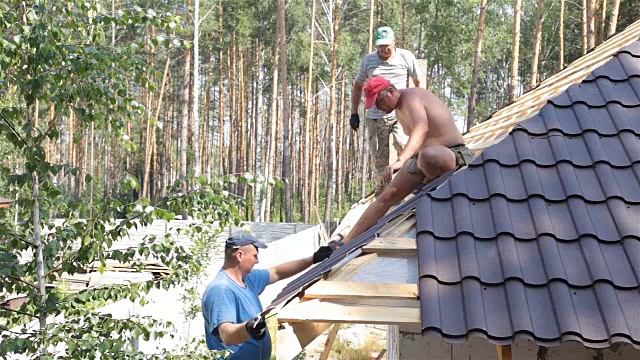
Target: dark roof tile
{"x":539,"y":237}
{"x":607,"y":120}
{"x":601,"y":91}
{"x":610,"y":220}
{"x":594,"y":184}
{"x":579,"y":263}
{"x":597,"y":315}
{"x":580,"y":150}
{"x":625,"y":64}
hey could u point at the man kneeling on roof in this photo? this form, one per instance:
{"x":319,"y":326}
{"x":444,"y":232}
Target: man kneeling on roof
{"x":435,"y":146}
{"x":230,"y":304}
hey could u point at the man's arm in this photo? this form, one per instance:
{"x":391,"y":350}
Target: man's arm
{"x":233,"y":334}
{"x":356,"y":95}
{"x":416,"y":81}
{"x":288,"y":269}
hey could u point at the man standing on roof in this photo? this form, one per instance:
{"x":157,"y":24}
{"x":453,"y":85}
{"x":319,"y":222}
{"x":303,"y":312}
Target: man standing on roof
{"x":230,"y":303}
{"x":397,"y":66}
{"x":435,"y":146}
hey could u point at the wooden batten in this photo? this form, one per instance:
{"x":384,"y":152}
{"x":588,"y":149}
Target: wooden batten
{"x":504,"y":352}
{"x":328,"y":344}
{"x":391,"y":246}
{"x":332,"y":312}
{"x":344,"y":289}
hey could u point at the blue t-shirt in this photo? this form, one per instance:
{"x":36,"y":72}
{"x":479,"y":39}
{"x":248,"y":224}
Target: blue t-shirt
{"x":226,"y":301}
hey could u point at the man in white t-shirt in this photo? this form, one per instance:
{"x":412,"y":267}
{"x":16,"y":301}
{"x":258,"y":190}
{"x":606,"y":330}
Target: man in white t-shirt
{"x":397,"y":66}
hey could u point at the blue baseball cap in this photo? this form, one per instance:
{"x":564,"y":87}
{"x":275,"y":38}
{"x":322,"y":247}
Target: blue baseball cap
{"x":242,"y":238}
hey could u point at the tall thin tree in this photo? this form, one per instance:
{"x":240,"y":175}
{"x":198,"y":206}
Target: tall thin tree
{"x":537,"y":43}
{"x":332,"y":109}
{"x":517,"y":10}
{"x":613,"y":20}
{"x":286,"y":112}
{"x":308,"y":111}
{"x":561,"y":34}
{"x":184,"y":124}
{"x":476,"y":64}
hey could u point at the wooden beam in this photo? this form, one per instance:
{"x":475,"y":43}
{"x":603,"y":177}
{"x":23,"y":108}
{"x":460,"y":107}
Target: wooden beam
{"x":344,"y":289}
{"x":352,"y":268}
{"x":390,"y":246}
{"x":504,"y":352}
{"x":328,"y":344}
{"x":325,"y":311}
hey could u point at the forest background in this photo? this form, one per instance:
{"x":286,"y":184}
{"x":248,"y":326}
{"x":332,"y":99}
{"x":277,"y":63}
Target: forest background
{"x":222,"y":111}
{"x":241,"y":115}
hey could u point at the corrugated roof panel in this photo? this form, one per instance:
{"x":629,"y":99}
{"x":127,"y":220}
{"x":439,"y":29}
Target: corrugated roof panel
{"x":580,"y":150}
{"x":597,"y":315}
{"x":610,"y":220}
{"x":606,"y":120}
{"x":601,"y":91}
{"x":594,"y":184}
{"x":580,"y":263}
{"x":540,"y":236}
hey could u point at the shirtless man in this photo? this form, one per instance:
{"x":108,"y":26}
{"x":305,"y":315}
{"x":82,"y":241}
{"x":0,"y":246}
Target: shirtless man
{"x":435,"y":145}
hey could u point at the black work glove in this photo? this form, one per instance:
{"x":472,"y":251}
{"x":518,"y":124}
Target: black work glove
{"x":256,"y":327}
{"x":322,"y":253}
{"x":354,"y":121}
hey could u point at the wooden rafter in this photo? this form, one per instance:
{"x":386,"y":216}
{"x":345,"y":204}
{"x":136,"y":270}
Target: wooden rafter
{"x":351,"y":290}
{"x":504,"y":352}
{"x":332,"y":312}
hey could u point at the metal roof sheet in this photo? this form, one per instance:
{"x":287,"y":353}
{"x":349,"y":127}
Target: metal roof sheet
{"x":539,"y":237}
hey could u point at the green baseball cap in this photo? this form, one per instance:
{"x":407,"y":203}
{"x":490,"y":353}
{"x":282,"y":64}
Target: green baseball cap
{"x":384,"y":36}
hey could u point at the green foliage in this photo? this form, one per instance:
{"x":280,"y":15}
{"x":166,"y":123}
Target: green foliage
{"x":59,"y":54}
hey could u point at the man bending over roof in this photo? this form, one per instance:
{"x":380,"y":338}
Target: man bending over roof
{"x":435,"y":145}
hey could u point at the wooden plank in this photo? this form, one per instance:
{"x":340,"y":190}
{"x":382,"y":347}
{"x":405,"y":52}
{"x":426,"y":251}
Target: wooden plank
{"x":324,"y":311}
{"x":350,"y":269}
{"x":328,"y":344}
{"x":358,"y":292}
{"x":344,"y":289}
{"x":391,"y":246}
{"x":504,"y":352}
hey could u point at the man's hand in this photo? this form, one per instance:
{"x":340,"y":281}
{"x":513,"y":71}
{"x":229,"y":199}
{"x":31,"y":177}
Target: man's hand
{"x":392,"y":169}
{"x":354,"y":121}
{"x":322,"y":253}
{"x":257,"y":327}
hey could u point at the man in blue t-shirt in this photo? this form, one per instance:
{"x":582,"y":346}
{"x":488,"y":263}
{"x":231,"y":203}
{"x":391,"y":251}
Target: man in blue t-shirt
{"x":230,"y":303}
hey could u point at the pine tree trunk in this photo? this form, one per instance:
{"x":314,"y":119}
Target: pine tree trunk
{"x":231,"y":68}
{"x":314,"y":154}
{"x":286,"y":111}
{"x":332,"y":113}
{"x":404,"y":24}
{"x":603,"y":21}
{"x":259,"y":200}
{"x":476,"y":64}
{"x":196,"y":87}
{"x":184,"y":125}
{"x":584,"y":20}
{"x":591,"y":31}
{"x":613,"y":20}
{"x":513,"y":93}
{"x":341,"y":125}
{"x":308,"y":109}
{"x":221,"y":90}
{"x":273,"y":122}
{"x":537,"y":44}
{"x":561,"y":34}
{"x":371,"y":9}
